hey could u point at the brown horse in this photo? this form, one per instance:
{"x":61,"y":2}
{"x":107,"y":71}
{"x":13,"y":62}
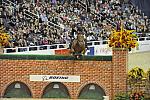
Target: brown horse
{"x":78,"y":45}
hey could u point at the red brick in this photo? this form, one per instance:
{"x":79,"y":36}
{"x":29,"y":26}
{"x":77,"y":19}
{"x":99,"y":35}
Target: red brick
{"x":111,"y":75}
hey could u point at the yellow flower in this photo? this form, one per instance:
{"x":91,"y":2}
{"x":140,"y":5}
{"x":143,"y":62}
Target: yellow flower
{"x":4,"y":38}
{"x":122,"y":39}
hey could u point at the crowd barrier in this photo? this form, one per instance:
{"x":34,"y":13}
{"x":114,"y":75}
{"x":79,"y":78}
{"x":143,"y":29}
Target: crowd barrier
{"x":94,"y":48}
{"x":51,"y":49}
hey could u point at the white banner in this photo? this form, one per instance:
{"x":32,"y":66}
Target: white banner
{"x":55,"y":78}
{"x":103,"y":50}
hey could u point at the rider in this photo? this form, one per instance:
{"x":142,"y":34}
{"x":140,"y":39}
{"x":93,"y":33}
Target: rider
{"x":78,"y":45}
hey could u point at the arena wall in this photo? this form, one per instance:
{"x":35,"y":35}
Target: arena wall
{"x":110,"y":75}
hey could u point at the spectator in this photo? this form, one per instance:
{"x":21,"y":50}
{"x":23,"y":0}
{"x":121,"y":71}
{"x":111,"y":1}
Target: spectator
{"x":58,"y":21}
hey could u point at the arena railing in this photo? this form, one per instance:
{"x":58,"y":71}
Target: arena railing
{"x":49,"y":47}
{"x":141,"y":40}
{"x":27,"y":12}
{"x":35,"y":48}
{"x":49,"y":23}
{"x":8,"y":2}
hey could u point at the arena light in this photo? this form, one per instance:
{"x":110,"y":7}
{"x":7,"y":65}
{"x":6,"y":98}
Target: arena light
{"x":56,"y":86}
{"x":92,"y":87}
{"x":17,"y":86}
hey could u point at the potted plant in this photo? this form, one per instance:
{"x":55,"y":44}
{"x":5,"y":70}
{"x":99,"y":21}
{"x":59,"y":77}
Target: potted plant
{"x":123,"y":39}
{"x":4,"y":39}
{"x":135,"y":76}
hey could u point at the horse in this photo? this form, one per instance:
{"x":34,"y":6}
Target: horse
{"x":78,"y":46}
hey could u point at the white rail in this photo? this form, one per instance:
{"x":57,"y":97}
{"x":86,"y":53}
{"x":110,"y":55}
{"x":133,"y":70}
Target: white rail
{"x":35,"y":48}
{"x":4,"y":1}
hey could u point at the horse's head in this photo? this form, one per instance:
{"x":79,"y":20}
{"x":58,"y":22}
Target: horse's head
{"x":80,"y":37}
{"x":78,"y":45}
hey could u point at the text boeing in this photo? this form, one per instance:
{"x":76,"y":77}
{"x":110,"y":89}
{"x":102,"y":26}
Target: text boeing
{"x":45,"y":78}
{"x":55,"y":78}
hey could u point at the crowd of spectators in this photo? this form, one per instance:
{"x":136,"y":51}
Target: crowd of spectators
{"x":58,"y":21}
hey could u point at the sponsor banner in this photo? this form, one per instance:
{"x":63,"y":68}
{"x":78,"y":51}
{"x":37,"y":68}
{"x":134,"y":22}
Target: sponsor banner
{"x":99,"y":50}
{"x":62,"y":52}
{"x":90,"y":51}
{"x":103,"y":50}
{"x":55,"y":78}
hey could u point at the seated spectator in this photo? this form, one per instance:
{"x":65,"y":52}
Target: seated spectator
{"x":57,"y":21}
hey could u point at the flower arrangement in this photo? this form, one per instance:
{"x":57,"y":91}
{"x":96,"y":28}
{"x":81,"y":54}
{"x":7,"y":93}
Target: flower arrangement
{"x":130,"y":96}
{"x":137,"y":96}
{"x":148,"y":74}
{"x":4,"y":38}
{"x":136,"y":73}
{"x":121,"y":96}
{"x":123,"y":39}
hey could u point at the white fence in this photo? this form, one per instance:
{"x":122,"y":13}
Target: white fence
{"x":94,"y":48}
{"x":43,"y":49}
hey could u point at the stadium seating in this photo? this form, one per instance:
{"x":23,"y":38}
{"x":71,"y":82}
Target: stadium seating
{"x":46,"y":23}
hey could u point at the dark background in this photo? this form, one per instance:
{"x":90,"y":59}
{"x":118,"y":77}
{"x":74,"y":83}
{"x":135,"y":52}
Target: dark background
{"x":144,"y":5}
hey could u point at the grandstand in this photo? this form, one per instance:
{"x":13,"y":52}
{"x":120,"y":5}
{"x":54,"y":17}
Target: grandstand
{"x":46,"y":23}
{"x":37,"y":62}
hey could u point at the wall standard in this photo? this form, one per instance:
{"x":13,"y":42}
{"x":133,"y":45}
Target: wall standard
{"x":110,"y":75}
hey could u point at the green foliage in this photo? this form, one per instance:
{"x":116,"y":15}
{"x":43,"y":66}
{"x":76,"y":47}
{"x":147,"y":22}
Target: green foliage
{"x":132,"y":96}
{"x":148,"y":74}
{"x":122,"y":96}
{"x":54,"y":57}
{"x":136,"y":74}
{"x":137,"y":96}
